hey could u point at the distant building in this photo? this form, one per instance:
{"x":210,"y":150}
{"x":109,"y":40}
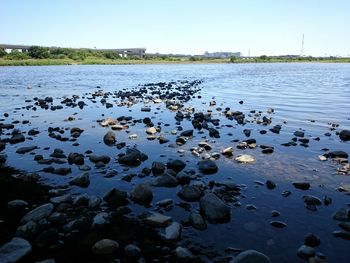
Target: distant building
{"x":221,"y":54}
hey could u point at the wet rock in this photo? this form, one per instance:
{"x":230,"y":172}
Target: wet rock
{"x":251,"y":256}
{"x":190,"y":193}
{"x":270,"y":185}
{"x":299,"y":134}
{"x":145,"y":109}
{"x":116,"y":198}
{"x":306,"y":252}
{"x":197,"y":221}
{"x":67,"y":198}
{"x":76,"y":158}
{"x":187,"y":133}
{"x":342,"y":234}
{"x":176,"y":165}
{"x":101,"y":219}
{"x":158,"y":168}
{"x":81,"y":200}
{"x":344,"y":135}
{"x":227,"y":151}
{"x":17,"y":205}
{"x":133,"y":157}
{"x":82,"y":180}
{"x":62,"y":171}
{"x":173,"y":232}
{"x":17,"y":138}
{"x":345,"y":226}
{"x":302,"y":185}
{"x":278,"y":224}
{"x":109,"y":138}
{"x":38,"y":213}
{"x":94,"y":202}
{"x":207,"y":167}
{"x":165,"y":180}
{"x":338,"y":154}
{"x":214,"y":133}
{"x":311,"y":200}
{"x":184,"y":255}
{"x":99,"y":158}
{"x":27,"y":149}
{"x":2,"y":146}
{"x":245,"y":158}
{"x":28,"y":230}
{"x":343,"y":214}
{"x":214,"y":208}
{"x":312,"y":240}
{"x":142,"y":194}
{"x":132,"y":251}
{"x":151,"y":130}
{"x":163,"y":140}
{"x":157,"y":220}
{"x":14,"y":250}
{"x":105,"y":247}
{"x":183,"y":178}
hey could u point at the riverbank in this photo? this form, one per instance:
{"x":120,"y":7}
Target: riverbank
{"x":169,"y":60}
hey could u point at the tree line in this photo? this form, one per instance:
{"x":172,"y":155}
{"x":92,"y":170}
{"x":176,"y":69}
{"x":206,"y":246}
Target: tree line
{"x":37,"y":52}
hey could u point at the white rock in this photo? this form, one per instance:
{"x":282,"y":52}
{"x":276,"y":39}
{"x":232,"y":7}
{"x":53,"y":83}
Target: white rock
{"x":245,"y":158}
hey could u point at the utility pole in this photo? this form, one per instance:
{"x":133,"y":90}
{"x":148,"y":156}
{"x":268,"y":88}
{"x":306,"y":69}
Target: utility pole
{"x":302,"y":47}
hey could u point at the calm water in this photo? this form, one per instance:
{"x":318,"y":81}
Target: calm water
{"x":299,"y":93}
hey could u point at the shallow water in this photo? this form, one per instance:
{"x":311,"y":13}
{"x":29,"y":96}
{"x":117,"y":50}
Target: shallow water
{"x":299,"y":93}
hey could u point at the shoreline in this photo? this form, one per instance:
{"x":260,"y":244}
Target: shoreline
{"x":70,"y":62}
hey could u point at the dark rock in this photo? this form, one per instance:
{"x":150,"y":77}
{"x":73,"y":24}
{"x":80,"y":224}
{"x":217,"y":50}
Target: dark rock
{"x":312,"y":240}
{"x":340,"y":154}
{"x":158,"y":168}
{"x":133,"y":157}
{"x":14,"y":250}
{"x":214,"y":209}
{"x":99,"y":158}
{"x":142,"y":194}
{"x":278,"y":224}
{"x":207,"y":167}
{"x":26,"y":149}
{"x":302,"y":185}
{"x":165,"y":180}
{"x":82,"y":180}
{"x":299,"y":134}
{"x":190,"y":193}
{"x":251,"y":256}
{"x":176,"y":165}
{"x":187,"y":133}
{"x":344,"y":135}
{"x":116,"y":198}
{"x":270,"y":184}
{"x":109,"y":138}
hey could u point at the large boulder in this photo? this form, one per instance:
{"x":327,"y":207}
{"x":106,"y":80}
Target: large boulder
{"x":214,"y":209}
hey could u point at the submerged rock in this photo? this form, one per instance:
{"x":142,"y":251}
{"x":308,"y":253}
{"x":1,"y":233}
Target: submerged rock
{"x":207,"y":167}
{"x":142,"y":194}
{"x":251,"y":256}
{"x":82,"y":180}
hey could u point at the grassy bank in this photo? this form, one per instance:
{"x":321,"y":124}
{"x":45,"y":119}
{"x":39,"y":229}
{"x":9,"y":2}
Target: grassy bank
{"x":168,"y":60}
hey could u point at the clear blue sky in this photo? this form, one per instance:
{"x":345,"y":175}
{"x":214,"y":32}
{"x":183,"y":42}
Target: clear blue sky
{"x":270,"y":27}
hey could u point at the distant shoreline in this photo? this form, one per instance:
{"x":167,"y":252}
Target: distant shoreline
{"x":92,"y":61}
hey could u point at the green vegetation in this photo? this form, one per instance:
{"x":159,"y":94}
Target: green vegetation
{"x":38,"y":56}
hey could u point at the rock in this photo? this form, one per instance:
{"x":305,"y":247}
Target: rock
{"x":62,"y":171}
{"x":101,"y":219}
{"x":176,"y":165}
{"x":345,"y":226}
{"x":116,"y":198}
{"x":306,"y":252}
{"x":151,"y":130}
{"x":81,"y":200}
{"x":312,"y":240}
{"x":245,"y":158}
{"x":162,"y":140}
{"x":94,"y":202}
{"x":17,"y":205}
{"x":99,"y":158}
{"x":190,"y":193}
{"x":27,"y":149}
{"x":165,"y":180}
{"x":322,"y":158}
{"x":207,"y":167}
{"x":343,"y":214}
{"x":302,"y":185}
{"x":17,"y":138}
{"x":142,"y":194}
{"x":270,"y":185}
{"x":82,"y":180}
{"x":344,"y":135}
{"x":197,"y":221}
{"x":278,"y":224}
{"x":183,"y":178}
{"x":133,"y":157}
{"x":187,"y":133}
{"x":173,"y":232}
{"x":146,"y":109}
{"x":105,"y":247}
{"x":251,"y":256}
{"x":214,"y":208}
{"x":38,"y":213}
{"x":76,"y":158}
{"x":227,"y":151}
{"x":14,"y":250}
{"x":158,"y":168}
{"x":109,"y":138}
{"x":299,"y":134}
{"x":67,"y":198}
{"x":311,"y":200}
{"x":132,"y":251}
{"x":184,"y":255}
{"x":28,"y":230}
{"x":342,"y":234}
{"x":340,"y":154}
{"x":158,"y":220}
